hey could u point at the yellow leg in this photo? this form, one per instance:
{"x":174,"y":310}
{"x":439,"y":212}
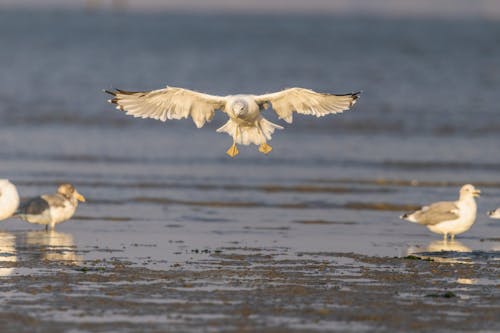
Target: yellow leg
{"x":452,"y":236}
{"x":265,"y":148}
{"x":233,"y":150}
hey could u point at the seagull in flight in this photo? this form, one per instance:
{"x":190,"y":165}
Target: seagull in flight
{"x":246,"y":125}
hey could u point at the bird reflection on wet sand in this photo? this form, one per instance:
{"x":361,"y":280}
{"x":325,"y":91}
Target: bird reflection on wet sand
{"x":439,"y":246}
{"x":442,"y":251}
{"x":51,"y":245}
{"x":7,"y":252}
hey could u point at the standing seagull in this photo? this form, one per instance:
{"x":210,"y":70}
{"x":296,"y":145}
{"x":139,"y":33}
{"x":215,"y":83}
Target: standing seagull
{"x":494,"y":214}
{"x":448,"y":217}
{"x":51,"y":209}
{"x":246,"y":124}
{"x":9,"y":199}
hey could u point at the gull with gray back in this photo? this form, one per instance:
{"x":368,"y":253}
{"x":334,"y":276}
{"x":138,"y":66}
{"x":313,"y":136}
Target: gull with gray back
{"x":448,"y":217}
{"x":51,"y":209}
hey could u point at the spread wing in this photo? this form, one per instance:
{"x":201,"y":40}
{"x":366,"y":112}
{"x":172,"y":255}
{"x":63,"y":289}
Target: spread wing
{"x":436,"y":213}
{"x":306,"y":101}
{"x":168,"y":103}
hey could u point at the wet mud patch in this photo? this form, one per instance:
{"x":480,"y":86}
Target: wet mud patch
{"x":254,"y":289}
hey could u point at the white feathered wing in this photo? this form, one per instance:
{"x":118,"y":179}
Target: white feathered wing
{"x":168,"y":103}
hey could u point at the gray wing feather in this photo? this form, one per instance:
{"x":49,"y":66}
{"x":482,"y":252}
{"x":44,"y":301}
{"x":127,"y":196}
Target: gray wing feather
{"x":436,"y":213}
{"x":35,"y":206}
{"x":54,"y":200}
{"x":306,"y":101}
{"x":39,"y":205}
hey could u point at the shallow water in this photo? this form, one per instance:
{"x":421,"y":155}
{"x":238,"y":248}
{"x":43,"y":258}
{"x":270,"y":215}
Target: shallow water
{"x":165,"y":198}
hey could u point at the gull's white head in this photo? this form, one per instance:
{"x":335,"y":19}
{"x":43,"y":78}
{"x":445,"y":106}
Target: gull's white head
{"x":469,"y":191}
{"x":494,"y":214}
{"x":239,"y":107}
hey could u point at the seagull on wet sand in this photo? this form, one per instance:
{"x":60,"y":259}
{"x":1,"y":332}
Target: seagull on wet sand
{"x":9,"y":199}
{"x":448,"y":217}
{"x":246,"y":124}
{"x":51,"y":209}
{"x":494,"y":214}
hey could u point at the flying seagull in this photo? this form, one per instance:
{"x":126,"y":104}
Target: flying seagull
{"x":494,"y":214}
{"x":9,"y":199}
{"x":246,"y":124}
{"x":448,"y":217}
{"x":51,"y":209}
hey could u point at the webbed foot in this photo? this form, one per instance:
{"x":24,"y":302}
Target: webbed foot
{"x":233,"y":150}
{"x":265,"y":148}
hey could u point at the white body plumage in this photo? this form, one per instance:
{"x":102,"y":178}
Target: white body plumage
{"x":448,"y":217}
{"x":246,"y":124}
{"x":467,"y":210}
{"x":9,"y":199}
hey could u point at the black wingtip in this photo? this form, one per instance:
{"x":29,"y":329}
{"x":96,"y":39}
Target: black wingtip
{"x":125,"y":92}
{"x":354,"y":97}
{"x":109,"y":92}
{"x":356,"y":94}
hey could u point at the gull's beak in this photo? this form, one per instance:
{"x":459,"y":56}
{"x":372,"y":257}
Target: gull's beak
{"x":79,"y":197}
{"x":476,"y":193}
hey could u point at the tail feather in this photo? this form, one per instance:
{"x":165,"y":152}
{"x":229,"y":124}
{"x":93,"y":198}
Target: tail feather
{"x":246,"y":135}
{"x":409,"y":217}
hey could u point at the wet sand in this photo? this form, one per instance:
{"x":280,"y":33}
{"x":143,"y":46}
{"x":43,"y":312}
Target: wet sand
{"x":248,"y":289}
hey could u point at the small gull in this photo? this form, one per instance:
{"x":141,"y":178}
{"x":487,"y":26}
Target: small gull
{"x":494,"y":214}
{"x":9,"y":199}
{"x":246,"y":124}
{"x":51,"y":209}
{"x":448,"y":217}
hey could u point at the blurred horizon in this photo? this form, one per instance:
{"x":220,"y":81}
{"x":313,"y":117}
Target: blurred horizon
{"x":482,"y":9}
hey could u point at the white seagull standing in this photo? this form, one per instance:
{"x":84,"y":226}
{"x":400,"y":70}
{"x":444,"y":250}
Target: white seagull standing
{"x":51,"y":209}
{"x":494,"y":214}
{"x":448,"y":217}
{"x":246,"y":124}
{"x":9,"y":199}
